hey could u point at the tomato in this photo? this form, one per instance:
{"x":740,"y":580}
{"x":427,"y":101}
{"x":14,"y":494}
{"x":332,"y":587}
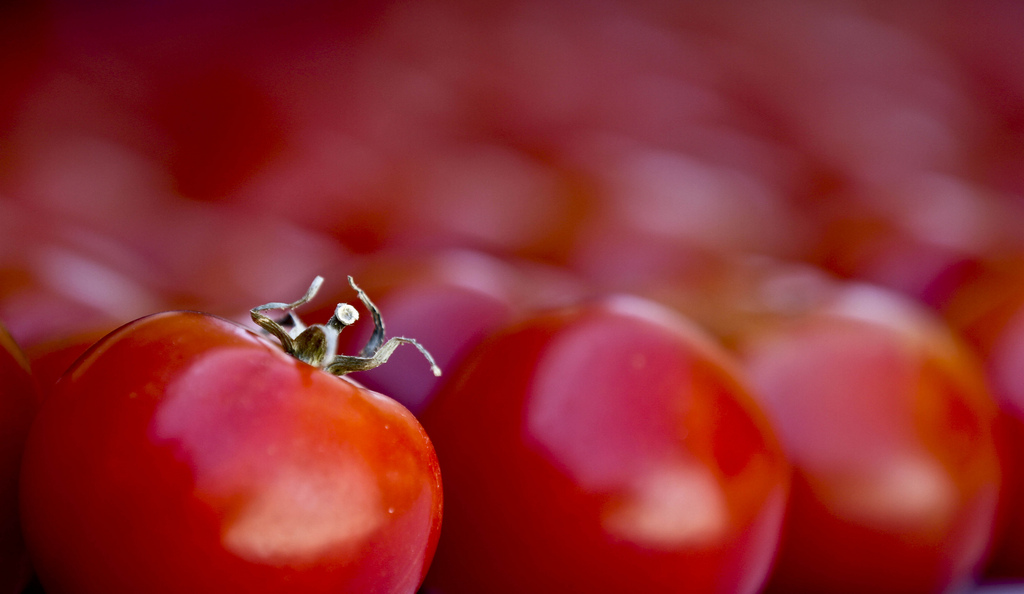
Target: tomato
{"x":50,"y":359}
{"x":18,"y":403}
{"x":660,"y":210}
{"x":607,"y":447}
{"x":988,"y":310}
{"x":183,"y":453}
{"x":890,"y":427}
{"x":59,"y":279}
{"x":879,"y":235}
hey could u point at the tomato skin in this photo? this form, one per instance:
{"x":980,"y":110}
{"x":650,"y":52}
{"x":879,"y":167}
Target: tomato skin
{"x":19,"y":401}
{"x":988,"y":311}
{"x":603,"y":448}
{"x":893,"y":437}
{"x":50,"y":359}
{"x":183,"y":453}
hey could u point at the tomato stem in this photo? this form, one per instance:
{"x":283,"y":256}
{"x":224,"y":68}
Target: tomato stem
{"x":317,"y":344}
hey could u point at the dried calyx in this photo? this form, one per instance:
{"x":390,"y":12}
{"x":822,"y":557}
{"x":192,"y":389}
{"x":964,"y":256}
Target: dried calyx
{"x":317,"y":344}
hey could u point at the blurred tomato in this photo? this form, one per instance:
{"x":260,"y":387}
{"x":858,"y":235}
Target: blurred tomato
{"x":18,"y":402}
{"x":183,"y":453}
{"x":988,"y":310}
{"x":923,"y":236}
{"x":59,"y":279}
{"x":606,"y":447}
{"x":331,"y":182}
{"x":223,"y":258}
{"x":888,"y":422}
{"x":486,"y":196}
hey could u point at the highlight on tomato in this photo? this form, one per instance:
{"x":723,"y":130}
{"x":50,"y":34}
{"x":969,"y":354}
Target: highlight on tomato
{"x":604,"y":447}
{"x":50,"y":359}
{"x":185,"y":453}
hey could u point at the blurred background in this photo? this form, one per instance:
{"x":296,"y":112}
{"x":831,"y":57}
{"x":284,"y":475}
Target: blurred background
{"x":198,"y":153}
{"x":218,"y":155}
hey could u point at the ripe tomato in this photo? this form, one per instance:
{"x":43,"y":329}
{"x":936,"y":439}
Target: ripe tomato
{"x":889,"y":425}
{"x":879,"y":235}
{"x":604,"y":448}
{"x":183,"y":453}
{"x":988,"y":310}
{"x":18,"y":403}
{"x":50,"y":359}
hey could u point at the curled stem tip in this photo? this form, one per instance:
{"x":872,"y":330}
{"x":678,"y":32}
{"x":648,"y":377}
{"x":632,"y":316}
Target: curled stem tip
{"x":317,"y":344}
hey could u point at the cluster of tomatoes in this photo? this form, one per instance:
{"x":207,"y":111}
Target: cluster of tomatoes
{"x":725,"y":297}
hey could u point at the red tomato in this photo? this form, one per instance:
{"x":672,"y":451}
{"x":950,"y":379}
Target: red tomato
{"x":890,"y":428}
{"x":657,"y":211}
{"x":604,"y":448}
{"x":18,"y":403}
{"x":183,"y":453}
{"x":59,"y":279}
{"x":50,"y":359}
{"x":880,"y":235}
{"x":988,"y":311}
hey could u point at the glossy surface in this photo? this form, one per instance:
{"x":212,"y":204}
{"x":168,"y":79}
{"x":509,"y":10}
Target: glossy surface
{"x":184,"y":454}
{"x":606,"y":448}
{"x":50,"y":359}
{"x":891,"y":431}
{"x":18,"y":403}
